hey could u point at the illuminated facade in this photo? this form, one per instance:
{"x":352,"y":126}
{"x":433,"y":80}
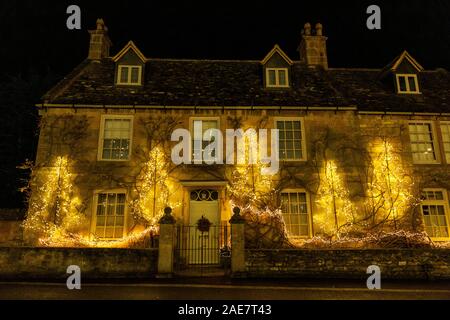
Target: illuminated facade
{"x":361,"y":150}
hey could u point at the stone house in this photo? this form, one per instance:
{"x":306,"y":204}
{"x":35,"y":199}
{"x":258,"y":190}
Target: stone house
{"x":359,"y":149}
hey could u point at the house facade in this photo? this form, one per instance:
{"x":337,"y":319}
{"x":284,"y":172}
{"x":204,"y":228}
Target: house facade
{"x":360,"y":150}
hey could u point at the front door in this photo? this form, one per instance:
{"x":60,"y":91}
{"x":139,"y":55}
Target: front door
{"x":204,"y":245}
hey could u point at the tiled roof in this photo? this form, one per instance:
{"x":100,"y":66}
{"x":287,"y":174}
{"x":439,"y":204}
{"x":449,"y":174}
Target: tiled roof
{"x":239,"y":83}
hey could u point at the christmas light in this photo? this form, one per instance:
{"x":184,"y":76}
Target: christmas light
{"x":337,"y":214}
{"x":52,"y":212}
{"x":390,"y":190}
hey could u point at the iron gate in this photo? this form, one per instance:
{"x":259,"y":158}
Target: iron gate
{"x":196,"y":248}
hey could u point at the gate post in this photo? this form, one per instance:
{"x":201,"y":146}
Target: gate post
{"x":166,"y":244}
{"x":237,"y":244}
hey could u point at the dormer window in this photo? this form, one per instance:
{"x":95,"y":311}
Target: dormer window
{"x":129,"y":75}
{"x":276,"y":66}
{"x":277,"y":77}
{"x":404,"y":73}
{"x":130,"y":66}
{"x":407,"y":83}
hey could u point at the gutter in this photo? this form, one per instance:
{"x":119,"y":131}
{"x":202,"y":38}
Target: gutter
{"x":95,"y":106}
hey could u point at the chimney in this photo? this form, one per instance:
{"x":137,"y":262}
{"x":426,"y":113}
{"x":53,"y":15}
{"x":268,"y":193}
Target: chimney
{"x":100,"y":43}
{"x":313,"y":47}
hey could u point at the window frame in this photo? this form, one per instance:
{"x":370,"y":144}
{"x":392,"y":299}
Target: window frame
{"x":408,"y":89}
{"x":443,"y":202}
{"x":303,"y":137}
{"x":308,"y":206}
{"x":128,"y":83}
{"x":445,"y":151}
{"x":277,"y":79}
{"x":93,"y":227}
{"x":435,"y":142}
{"x":102,"y":134}
{"x":191,"y":128}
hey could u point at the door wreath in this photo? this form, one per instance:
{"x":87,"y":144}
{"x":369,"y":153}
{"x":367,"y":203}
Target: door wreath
{"x":203,"y":224}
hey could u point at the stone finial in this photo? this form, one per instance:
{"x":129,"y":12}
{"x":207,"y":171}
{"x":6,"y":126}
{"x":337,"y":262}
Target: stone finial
{"x":307,"y":29}
{"x":319,"y":29}
{"x":167,"y":218}
{"x":237,"y":218}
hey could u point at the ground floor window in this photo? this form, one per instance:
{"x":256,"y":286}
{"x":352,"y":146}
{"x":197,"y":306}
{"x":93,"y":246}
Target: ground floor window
{"x":435,"y":212}
{"x":296,"y":213}
{"x":110,"y":215}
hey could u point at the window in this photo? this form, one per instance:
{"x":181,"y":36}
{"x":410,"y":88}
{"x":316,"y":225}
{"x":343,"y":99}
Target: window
{"x":422,"y":142}
{"x":295,"y":211}
{"x":445,"y":129}
{"x":434,"y":208}
{"x":115,"y":138}
{"x":110,"y":215}
{"x":198,"y":146}
{"x":407,"y":83}
{"x":291,"y":139}
{"x":277,"y":78}
{"x":129,"y":75}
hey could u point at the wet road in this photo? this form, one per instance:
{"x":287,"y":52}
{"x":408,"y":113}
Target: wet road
{"x":226,"y":290}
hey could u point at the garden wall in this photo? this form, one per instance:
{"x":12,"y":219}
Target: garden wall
{"x":52,"y":263}
{"x":349,"y":263}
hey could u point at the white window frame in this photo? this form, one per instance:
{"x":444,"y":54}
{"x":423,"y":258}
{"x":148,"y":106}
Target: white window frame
{"x":128,"y":82}
{"x":443,"y":202}
{"x":446,"y":151}
{"x":303,"y":137}
{"x":102,"y":133}
{"x":94,"y":213}
{"x":408,"y":89}
{"x":435,"y":143}
{"x":277,"y":78}
{"x":191,"y":131}
{"x":308,"y":206}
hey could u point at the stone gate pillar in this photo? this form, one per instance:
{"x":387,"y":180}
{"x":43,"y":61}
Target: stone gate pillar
{"x":237,"y":244}
{"x":166,"y":244}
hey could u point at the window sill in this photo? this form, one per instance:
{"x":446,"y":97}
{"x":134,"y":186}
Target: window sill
{"x":113,"y":160}
{"x":426,"y":163}
{"x":440,"y":239}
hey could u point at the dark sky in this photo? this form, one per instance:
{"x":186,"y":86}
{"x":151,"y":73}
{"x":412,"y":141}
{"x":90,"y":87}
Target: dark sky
{"x":35,"y":35}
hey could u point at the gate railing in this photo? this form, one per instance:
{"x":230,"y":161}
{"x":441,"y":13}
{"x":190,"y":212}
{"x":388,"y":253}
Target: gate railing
{"x":196,"y":248}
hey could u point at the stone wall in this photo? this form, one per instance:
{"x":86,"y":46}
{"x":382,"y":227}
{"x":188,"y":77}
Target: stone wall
{"x":52,"y":263}
{"x":11,"y":226}
{"x":394,"y":263}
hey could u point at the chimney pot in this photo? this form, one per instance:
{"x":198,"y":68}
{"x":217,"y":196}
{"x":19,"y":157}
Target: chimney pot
{"x":307,"y":29}
{"x":319,"y":29}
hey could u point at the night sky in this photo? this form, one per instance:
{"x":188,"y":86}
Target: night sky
{"x":37,"y":35}
{"x":37,"y":49}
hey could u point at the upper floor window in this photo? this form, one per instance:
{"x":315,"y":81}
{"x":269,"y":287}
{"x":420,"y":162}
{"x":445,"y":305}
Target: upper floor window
{"x":115,"y":138}
{"x":291,"y":139}
{"x":277,"y":77}
{"x":407,"y":83}
{"x":435,"y":212}
{"x":296,"y":213}
{"x":423,"y":145}
{"x":200,"y":140}
{"x":110,"y":215}
{"x":129,"y":75}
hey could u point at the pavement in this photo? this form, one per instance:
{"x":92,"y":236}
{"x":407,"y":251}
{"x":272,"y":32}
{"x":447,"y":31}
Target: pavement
{"x":227,"y":289}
